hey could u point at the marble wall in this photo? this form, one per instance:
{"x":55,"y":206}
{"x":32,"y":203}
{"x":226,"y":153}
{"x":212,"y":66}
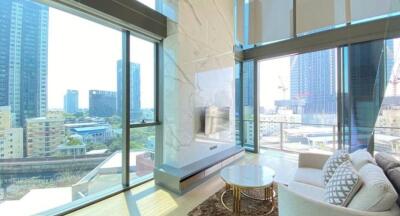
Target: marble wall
{"x":198,"y":73}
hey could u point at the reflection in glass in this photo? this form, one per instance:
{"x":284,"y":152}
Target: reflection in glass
{"x":366,"y":74}
{"x":387,"y":126}
{"x":248,"y":105}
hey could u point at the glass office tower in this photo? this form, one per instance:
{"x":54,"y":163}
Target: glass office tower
{"x":23,"y":58}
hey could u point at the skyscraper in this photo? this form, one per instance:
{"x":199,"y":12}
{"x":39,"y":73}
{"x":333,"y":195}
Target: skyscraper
{"x":102,"y":103}
{"x":23,"y":58}
{"x":134,"y":90}
{"x":313,"y":79}
{"x":71,"y":101}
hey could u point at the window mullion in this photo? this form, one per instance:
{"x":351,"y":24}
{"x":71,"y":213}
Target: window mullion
{"x":125,"y":107}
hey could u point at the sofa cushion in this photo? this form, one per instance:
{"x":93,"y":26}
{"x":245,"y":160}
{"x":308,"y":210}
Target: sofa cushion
{"x":377,"y":193}
{"x":333,"y":163}
{"x":309,"y":191}
{"x":343,"y":185}
{"x":361,"y":157}
{"x":394,"y":178}
{"x":310,"y":176}
{"x":386,"y":161}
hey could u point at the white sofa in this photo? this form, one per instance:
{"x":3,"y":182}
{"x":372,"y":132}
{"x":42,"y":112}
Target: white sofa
{"x":304,"y":195}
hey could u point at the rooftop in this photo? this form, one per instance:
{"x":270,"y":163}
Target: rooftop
{"x":90,"y":129}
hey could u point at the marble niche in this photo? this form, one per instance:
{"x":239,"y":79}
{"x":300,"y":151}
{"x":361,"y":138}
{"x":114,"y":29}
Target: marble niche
{"x":199,"y":83}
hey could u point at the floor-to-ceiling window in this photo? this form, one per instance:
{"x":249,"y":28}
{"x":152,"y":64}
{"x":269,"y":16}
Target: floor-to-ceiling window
{"x":61,"y":106}
{"x":298,"y":102}
{"x":387,"y":125}
{"x":334,"y":98}
{"x":142,"y":107}
{"x":371,"y":103}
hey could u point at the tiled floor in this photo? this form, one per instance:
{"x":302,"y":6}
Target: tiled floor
{"x":149,"y":199}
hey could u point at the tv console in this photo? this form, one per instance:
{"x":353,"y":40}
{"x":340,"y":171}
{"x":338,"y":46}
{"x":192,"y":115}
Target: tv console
{"x":180,"y":180}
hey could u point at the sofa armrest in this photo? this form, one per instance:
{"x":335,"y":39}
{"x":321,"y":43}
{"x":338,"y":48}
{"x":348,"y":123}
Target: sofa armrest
{"x":312,"y":160}
{"x":291,"y":203}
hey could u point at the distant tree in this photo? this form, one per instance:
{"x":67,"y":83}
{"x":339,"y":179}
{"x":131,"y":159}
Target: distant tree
{"x":73,"y":141}
{"x":96,"y":146}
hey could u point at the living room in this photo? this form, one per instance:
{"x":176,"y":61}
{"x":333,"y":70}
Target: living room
{"x":200,"y":107}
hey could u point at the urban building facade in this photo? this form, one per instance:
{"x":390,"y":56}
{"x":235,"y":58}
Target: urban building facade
{"x":23,"y":58}
{"x":313,"y":81}
{"x":11,"y":139}
{"x":71,"y":101}
{"x":98,"y":134}
{"x":135,"y":104}
{"x":44,"y":135}
{"x":102,"y":103}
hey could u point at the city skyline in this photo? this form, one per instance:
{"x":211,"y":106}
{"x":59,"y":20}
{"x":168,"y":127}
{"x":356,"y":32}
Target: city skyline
{"x":275,"y":75}
{"x":92,"y":68}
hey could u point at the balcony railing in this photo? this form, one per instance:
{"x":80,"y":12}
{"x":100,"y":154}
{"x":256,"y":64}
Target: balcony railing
{"x":301,"y":137}
{"x":298,"y":137}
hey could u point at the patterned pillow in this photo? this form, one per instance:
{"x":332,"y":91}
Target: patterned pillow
{"x":343,"y":185}
{"x":333,"y":163}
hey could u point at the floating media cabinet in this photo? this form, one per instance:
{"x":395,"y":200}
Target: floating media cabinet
{"x":180,"y":180}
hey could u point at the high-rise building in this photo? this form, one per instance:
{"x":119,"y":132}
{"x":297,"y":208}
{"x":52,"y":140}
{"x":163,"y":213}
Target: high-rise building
{"x":71,"y":101}
{"x":23,"y":58}
{"x":44,"y":135}
{"x":11,"y":139}
{"x":135,"y":105}
{"x":102,"y":103}
{"x":313,"y":80}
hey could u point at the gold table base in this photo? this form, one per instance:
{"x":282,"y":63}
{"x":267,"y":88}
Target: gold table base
{"x":269,"y":196}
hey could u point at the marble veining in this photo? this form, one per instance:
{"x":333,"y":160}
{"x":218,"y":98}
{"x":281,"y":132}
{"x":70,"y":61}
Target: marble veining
{"x":199,"y":44}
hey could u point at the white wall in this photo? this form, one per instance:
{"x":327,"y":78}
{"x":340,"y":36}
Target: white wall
{"x":199,"y":47}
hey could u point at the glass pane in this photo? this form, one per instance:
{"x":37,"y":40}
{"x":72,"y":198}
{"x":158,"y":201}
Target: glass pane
{"x":248,"y":105}
{"x":58,"y":120}
{"x":238,"y":104}
{"x":330,"y":13}
{"x":366,"y":75}
{"x":142,"y":62}
{"x":387,"y":126}
{"x":142,"y":147}
{"x":298,"y":102}
{"x":168,"y":8}
{"x":365,"y":10}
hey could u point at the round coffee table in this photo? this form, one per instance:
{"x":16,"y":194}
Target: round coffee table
{"x":239,"y":177}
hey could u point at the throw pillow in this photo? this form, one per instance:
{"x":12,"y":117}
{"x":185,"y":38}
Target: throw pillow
{"x":333,"y":163}
{"x":386,"y":161}
{"x":394,"y":178}
{"x":343,"y":185}
{"x":377,"y":193}
{"x":361,"y":157}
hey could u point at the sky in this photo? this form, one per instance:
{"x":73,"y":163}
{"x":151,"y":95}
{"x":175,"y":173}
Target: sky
{"x":273,"y":74}
{"x":83,"y":55}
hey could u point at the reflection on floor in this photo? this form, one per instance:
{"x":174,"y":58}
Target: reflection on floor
{"x":149,"y":199}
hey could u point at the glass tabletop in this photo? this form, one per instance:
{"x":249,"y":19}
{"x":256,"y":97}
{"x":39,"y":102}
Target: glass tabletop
{"x":248,"y":176}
